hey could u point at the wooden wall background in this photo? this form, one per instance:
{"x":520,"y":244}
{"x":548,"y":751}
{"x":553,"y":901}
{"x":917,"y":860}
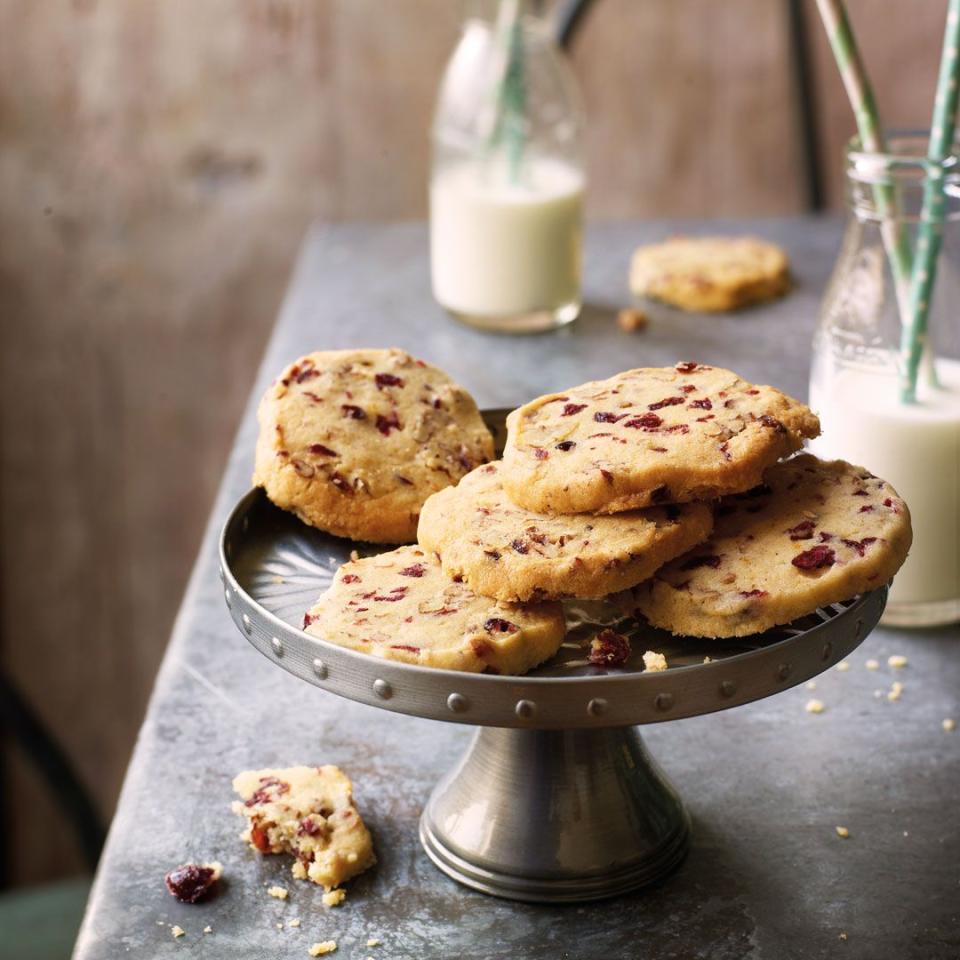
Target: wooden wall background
{"x":159,"y":162}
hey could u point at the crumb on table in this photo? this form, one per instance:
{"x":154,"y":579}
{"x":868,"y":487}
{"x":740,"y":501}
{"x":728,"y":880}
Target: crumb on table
{"x":294,"y":923}
{"x":334,"y":898}
{"x":843,"y":666}
{"x":949,"y":724}
{"x":373,"y":942}
{"x":177,"y":931}
{"x":872,"y":664}
{"x":843,"y":832}
{"x":897,"y":661}
{"x":322,"y":948}
{"x":281,"y":893}
{"x":814,"y":706}
{"x":654,"y":662}
{"x":895,"y":690}
{"x":631,"y":319}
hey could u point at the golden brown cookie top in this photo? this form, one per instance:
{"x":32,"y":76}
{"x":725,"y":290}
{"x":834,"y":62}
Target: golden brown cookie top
{"x":504,"y":551}
{"x":354,"y":441}
{"x":814,"y":533}
{"x":649,"y":436}
{"x":402,"y":606}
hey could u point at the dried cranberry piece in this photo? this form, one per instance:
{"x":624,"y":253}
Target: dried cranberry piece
{"x":772,"y":423}
{"x":861,"y":493}
{"x":566,"y":445}
{"x":496,"y":625}
{"x":607,"y":475}
{"x":703,"y":404}
{"x":859,"y":545}
{"x":404,"y":646}
{"x":313,"y":396}
{"x":753,"y":392}
{"x":350,"y":578}
{"x":709,"y":416}
{"x":802,"y":531}
{"x":753,"y":593}
{"x":571,"y":408}
{"x":609,"y":649}
{"x":667,"y":402}
{"x":258,"y":837}
{"x":540,"y":453}
{"x":492,"y":554}
{"x":307,"y":374}
{"x":815,"y":558}
{"x":868,"y":508}
{"x":648,"y":421}
{"x":826,"y":537}
{"x":687,"y":388}
{"x":397,"y":593}
{"x":308,"y":618}
{"x":519,"y":546}
{"x":705,"y":560}
{"x":190,"y":882}
{"x":341,"y":483}
{"x":605,"y":416}
{"x":677,"y":428}
{"x":386,"y":424}
{"x":387,"y":380}
{"x":308,"y":827}
{"x":320,"y":449}
{"x":686,"y":366}
{"x":269,"y":790}
{"x":414,"y":570}
{"x":353,"y":412}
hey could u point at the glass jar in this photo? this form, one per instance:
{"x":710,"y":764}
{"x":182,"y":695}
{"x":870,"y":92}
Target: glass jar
{"x":858,"y":369}
{"x":507,"y":180}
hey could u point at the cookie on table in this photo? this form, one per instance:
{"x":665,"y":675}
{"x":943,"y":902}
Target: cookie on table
{"x":815,"y":533}
{"x":353,"y":441}
{"x":710,"y":274}
{"x":649,"y":436}
{"x":501,"y":550}
{"x":307,"y":812}
{"x":402,"y":606}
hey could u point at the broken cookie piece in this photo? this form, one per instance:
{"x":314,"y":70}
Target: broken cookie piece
{"x":307,"y":812}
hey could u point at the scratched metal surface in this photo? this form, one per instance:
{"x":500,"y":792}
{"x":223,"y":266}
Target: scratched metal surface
{"x":766,"y":784}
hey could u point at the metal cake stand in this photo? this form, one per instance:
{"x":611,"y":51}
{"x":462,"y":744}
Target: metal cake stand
{"x":557,"y":798}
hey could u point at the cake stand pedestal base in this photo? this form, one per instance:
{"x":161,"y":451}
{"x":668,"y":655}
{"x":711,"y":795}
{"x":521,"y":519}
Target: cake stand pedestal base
{"x":555,"y":816}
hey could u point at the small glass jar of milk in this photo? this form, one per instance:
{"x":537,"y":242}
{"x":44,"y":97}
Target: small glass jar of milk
{"x":855,"y":383}
{"x":507,"y":182}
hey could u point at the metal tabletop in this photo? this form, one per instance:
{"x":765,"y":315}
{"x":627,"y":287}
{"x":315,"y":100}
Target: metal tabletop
{"x":766,"y":783}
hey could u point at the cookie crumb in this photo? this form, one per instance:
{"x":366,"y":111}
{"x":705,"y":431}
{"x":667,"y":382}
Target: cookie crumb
{"x":298,"y":870}
{"x":277,"y":579}
{"x":373,"y":942}
{"x":281,"y":893}
{"x":631,"y":319}
{"x":279,"y":926}
{"x":814,"y":706}
{"x":177,"y":931}
{"x":843,"y":832}
{"x":654,"y":662}
{"x":293,"y":923}
{"x":334,"y":897}
{"x":949,"y":724}
{"x":812,"y":685}
{"x":897,"y":661}
{"x":843,"y":666}
{"x":354,"y":556}
{"x":843,"y":935}
{"x":322,"y":948}
{"x":872,"y":664}
{"x":708,"y":659}
{"x":895,"y":690}
{"x":208,"y":929}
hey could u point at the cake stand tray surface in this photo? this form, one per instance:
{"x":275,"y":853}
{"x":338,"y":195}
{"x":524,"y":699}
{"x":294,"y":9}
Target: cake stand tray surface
{"x":562,"y":802}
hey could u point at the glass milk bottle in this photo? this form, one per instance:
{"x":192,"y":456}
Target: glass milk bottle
{"x":858,"y":367}
{"x":506,"y":188}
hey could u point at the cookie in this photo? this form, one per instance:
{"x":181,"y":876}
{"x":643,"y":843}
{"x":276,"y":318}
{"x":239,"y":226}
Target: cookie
{"x":506,"y":552}
{"x":815,"y":533}
{"x":710,"y":274}
{"x":653,"y":435}
{"x":309,"y":813}
{"x":402,"y":606}
{"x":354,"y":441}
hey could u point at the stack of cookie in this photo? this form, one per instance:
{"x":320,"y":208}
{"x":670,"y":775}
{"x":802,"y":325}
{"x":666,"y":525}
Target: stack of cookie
{"x":666,"y":487}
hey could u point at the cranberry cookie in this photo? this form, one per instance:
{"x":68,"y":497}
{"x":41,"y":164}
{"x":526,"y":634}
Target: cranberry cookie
{"x":813,"y":534}
{"x":654,"y":435}
{"x":354,"y":441}
{"x":308,"y":812}
{"x":710,"y":274}
{"x":506,"y":552}
{"x":402,"y":606}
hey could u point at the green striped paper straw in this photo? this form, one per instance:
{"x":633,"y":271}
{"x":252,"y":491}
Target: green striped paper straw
{"x":860,"y":94}
{"x":915,"y":343}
